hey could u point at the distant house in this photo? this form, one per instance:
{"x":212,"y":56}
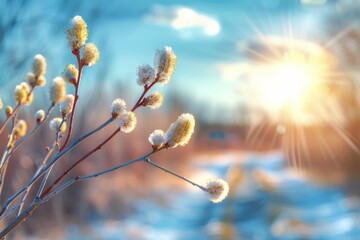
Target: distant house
{"x":215,"y":136}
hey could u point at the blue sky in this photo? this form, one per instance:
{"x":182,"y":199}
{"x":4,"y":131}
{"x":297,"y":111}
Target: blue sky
{"x":204,"y":34}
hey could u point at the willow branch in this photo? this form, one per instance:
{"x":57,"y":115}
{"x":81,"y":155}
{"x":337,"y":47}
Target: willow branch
{"x":23,"y":139}
{"x":47,"y":166}
{"x":44,"y":161}
{"x":46,"y":197}
{"x":17,"y":108}
{"x":77,"y":86}
{"x":175,"y":174}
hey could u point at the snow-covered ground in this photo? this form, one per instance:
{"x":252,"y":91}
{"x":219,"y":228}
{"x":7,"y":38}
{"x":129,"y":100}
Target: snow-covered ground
{"x":266,"y":201}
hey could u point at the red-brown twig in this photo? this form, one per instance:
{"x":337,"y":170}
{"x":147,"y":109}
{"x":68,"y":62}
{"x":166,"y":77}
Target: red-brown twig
{"x":15,"y":111}
{"x":17,"y":108}
{"x":77,"y":86}
{"x":66,"y":172}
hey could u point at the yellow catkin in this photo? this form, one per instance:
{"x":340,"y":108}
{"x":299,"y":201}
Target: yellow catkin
{"x":180,"y":131}
{"x":77,"y":33}
{"x":164,"y":63}
{"x":127,"y":121}
{"x":41,"y":81}
{"x":70,"y":74}
{"x":8,"y":111}
{"x":67,"y":105}
{"x":90,"y":54}
{"x":20,"y":129}
{"x":20,"y":94}
{"x":29,"y":99}
{"x":57,"y":90}
{"x":39,"y":65}
{"x":154,"y":100}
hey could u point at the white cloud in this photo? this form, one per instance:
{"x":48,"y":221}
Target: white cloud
{"x":181,"y":18}
{"x":313,"y":2}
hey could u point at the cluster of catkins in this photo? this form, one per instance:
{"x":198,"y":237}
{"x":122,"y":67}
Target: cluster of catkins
{"x":23,"y":94}
{"x":179,"y":132}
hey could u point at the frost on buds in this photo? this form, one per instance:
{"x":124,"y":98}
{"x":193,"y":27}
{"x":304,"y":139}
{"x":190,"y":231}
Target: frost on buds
{"x":57,"y":90}
{"x":118,"y":107}
{"x":66,"y":106}
{"x":127,"y":121}
{"x":218,"y":189}
{"x":164,"y":64}
{"x":146,"y":75}
{"x":77,"y":33}
{"x":39,"y":116}
{"x":156,"y":139}
{"x":154,"y":100}
{"x":180,"y":131}
{"x":90,"y":54}
{"x":55,"y":124}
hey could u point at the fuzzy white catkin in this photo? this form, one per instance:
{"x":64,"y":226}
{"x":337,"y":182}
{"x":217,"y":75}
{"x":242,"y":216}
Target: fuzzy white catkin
{"x":70,"y":74}
{"x":164,"y":64}
{"x":29,"y":94}
{"x":39,"y":116}
{"x":40,"y":81}
{"x":217,"y":189}
{"x":66,"y":106}
{"x":20,"y":129}
{"x":55,"y":124}
{"x":35,"y":80}
{"x":180,"y":132}
{"x":25,"y":86}
{"x":39,"y":65}
{"x":31,"y":78}
{"x":22,"y":93}
{"x":90,"y":54}
{"x":57,"y":90}
{"x":118,"y":107}
{"x":146,"y":75}
{"x":154,"y":100}
{"x":77,"y":33}
{"x":156,"y":138}
{"x":127,"y":122}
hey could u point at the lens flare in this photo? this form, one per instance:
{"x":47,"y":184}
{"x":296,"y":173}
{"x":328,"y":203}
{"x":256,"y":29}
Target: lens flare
{"x":295,"y":82}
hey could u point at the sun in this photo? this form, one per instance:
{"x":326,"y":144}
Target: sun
{"x":292,"y":80}
{"x":306,"y":97}
{"x":287,"y":82}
